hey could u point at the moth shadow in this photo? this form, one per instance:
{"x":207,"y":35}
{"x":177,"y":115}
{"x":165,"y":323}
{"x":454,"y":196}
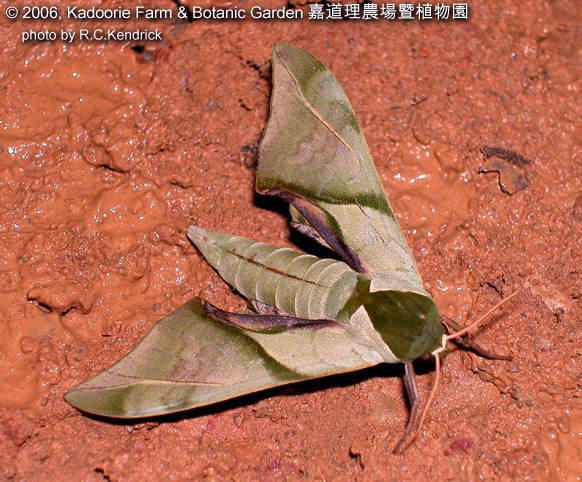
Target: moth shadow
{"x":293,"y":389}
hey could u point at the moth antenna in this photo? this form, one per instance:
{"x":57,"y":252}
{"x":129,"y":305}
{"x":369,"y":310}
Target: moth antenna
{"x":412,"y":438}
{"x":468,"y":328}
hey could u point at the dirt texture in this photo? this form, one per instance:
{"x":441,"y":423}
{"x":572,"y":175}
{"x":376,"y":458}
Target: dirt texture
{"x":108,"y":151}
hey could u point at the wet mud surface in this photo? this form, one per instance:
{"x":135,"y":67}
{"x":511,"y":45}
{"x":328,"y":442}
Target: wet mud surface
{"x":108,"y":151}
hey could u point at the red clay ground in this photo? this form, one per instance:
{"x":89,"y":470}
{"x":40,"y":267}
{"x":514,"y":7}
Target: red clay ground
{"x":108,"y":153}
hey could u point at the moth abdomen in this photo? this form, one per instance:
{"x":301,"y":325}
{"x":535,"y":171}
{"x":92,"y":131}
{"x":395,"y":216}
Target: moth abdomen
{"x":300,"y":284}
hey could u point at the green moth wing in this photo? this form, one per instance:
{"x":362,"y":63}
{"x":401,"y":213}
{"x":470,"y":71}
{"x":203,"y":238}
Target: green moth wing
{"x":313,"y":149}
{"x":189,"y":360}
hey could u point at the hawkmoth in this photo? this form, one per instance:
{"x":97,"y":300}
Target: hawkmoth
{"x":309,"y":317}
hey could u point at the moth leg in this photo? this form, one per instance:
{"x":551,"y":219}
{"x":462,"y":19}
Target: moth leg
{"x":465,"y":342}
{"x":414,"y":400}
{"x":320,"y":223}
{"x":264,"y":323}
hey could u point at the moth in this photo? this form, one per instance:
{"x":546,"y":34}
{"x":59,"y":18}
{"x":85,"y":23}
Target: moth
{"x":308,"y":317}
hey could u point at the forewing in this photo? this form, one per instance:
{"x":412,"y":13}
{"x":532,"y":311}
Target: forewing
{"x":189,"y":360}
{"x":313,"y":150}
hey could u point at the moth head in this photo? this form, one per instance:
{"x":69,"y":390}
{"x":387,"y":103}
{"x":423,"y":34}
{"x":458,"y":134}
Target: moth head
{"x":409,"y":323}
